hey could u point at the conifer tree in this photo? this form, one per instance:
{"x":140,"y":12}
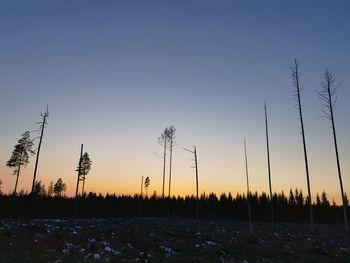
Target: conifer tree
{"x":20,"y":155}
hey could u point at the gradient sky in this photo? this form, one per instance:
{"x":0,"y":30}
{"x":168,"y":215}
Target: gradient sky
{"x":116,"y":73}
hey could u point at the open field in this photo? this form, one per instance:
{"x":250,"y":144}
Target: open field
{"x":167,"y":240}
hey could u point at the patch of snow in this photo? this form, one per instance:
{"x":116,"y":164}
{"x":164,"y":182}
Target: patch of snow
{"x":91,"y":240}
{"x":104,"y":243}
{"x":109,"y":249}
{"x":69,"y":245}
{"x":209,"y":243}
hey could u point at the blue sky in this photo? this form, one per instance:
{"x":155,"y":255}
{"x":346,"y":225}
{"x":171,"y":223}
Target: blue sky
{"x":115,"y":73}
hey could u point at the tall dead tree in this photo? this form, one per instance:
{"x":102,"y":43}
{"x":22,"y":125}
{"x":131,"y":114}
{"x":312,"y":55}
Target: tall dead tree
{"x":171,"y":138}
{"x":42,"y":123}
{"x":296,"y":84}
{"x":248,"y":191}
{"x":329,"y":98}
{"x":162,"y":140}
{"x":194,"y":152}
{"x":141,"y":194}
{"x":141,"y":197}
{"x":268,"y":165}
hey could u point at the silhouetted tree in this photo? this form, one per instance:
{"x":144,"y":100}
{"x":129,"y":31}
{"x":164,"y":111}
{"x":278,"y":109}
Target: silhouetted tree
{"x":59,"y":187}
{"x":291,"y":199}
{"x":141,"y":192}
{"x":42,"y":127}
{"x":296,"y":84}
{"x":248,"y":191}
{"x":50,"y":189}
{"x":268,"y":164}
{"x":79,"y":170}
{"x":163,"y":140}
{"x":140,"y":197}
{"x":0,"y":187}
{"x":346,"y":200}
{"x":196,"y":167}
{"x":171,"y":138}
{"x":85,"y":168}
{"x":318,"y":200}
{"x":299,"y":197}
{"x":324,"y":199}
{"x":147,"y":184}
{"x":20,"y":155}
{"x":329,"y":98}
{"x":39,"y":189}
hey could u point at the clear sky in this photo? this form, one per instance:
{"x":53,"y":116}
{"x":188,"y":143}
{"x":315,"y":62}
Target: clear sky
{"x":116,"y":73}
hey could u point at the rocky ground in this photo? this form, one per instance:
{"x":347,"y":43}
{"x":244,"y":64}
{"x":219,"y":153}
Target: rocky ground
{"x":168,"y":240}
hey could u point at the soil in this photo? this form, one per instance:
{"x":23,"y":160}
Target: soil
{"x":168,"y":240}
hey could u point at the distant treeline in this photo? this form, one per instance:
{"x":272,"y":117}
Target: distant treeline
{"x":288,"y":208}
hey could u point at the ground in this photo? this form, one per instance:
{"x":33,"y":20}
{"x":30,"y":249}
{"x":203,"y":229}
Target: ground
{"x":168,"y":240}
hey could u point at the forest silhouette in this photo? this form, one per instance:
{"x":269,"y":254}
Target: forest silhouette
{"x":291,"y":207}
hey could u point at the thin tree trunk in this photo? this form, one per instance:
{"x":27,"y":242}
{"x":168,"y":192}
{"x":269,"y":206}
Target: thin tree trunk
{"x":164,"y":160}
{"x":79,"y":170}
{"x":78,"y":179}
{"x":140,"y":199}
{"x":336,"y":152}
{"x":340,"y":178}
{"x":248,"y":191}
{"x":269,"y":167}
{"x":296,"y":74}
{"x":83,"y":188}
{"x":39,"y":146}
{"x":18,"y":170}
{"x":196,"y":164}
{"x":170,"y":163}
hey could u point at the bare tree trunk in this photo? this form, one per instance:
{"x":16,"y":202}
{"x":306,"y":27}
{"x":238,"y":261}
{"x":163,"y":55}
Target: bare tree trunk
{"x":196,"y":164}
{"x":296,"y":82}
{"x":164,"y":160}
{"x":45,"y":115}
{"x":78,"y":179}
{"x":194,"y":152}
{"x":18,"y":170}
{"x":83,"y":188}
{"x":327,"y":95}
{"x":339,"y":174}
{"x":140,"y":199}
{"x":248,"y":191}
{"x":269,"y":167}
{"x":17,"y":176}
{"x":79,"y":170}
{"x":170,"y":163}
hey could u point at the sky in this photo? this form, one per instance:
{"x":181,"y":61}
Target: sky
{"x":116,"y":73}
